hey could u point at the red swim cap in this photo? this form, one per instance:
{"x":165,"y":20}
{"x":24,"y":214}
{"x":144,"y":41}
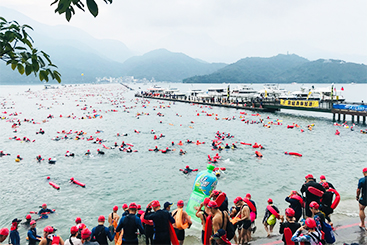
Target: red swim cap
{"x":311,"y":223}
{"x":115,"y":208}
{"x":28,"y":216}
{"x":48,"y":229}
{"x":32,"y":222}
{"x":125,"y":206}
{"x":44,"y":205}
{"x":187,"y":166}
{"x":290,"y":212}
{"x":101,"y":218}
{"x":248,"y":196}
{"x":212,"y":204}
{"x":180,"y":203}
{"x":155,"y":204}
{"x":322,"y":177}
{"x":309,"y":176}
{"x":133,"y":205}
{"x":364,"y":170}
{"x":237,"y":199}
{"x":73,"y":230}
{"x":314,"y":205}
{"x":215,"y":192}
{"x":269,"y":200}
{"x":78,"y":220}
{"x":4,"y":231}
{"x":206,"y":201}
{"x":86,"y":233}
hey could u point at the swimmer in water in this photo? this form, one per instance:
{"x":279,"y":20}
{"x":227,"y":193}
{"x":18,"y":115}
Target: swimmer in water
{"x":51,"y":161}
{"x":181,"y":152}
{"x":44,"y":211}
{"x":87,"y":153}
{"x":4,"y":154}
{"x":39,"y":158}
{"x":100,"y":152}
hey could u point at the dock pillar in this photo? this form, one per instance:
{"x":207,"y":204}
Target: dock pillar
{"x":338,"y":117}
{"x":358,"y":119}
{"x":333,"y":117}
{"x":363,"y":119}
{"x":344,"y":117}
{"x":352,"y":118}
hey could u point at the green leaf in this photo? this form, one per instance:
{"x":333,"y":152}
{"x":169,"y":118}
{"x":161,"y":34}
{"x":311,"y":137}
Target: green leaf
{"x":28,"y":69}
{"x":54,"y":2}
{"x":21,"y":69}
{"x":68,"y":15}
{"x":14,"y":65}
{"x":92,"y":7}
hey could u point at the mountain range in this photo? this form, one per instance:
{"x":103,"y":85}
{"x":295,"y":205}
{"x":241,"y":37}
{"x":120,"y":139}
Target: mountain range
{"x":75,"y":53}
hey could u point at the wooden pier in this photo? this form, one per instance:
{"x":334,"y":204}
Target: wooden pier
{"x":273,"y":105}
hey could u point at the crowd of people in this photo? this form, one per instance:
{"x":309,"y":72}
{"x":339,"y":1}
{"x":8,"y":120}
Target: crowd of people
{"x":307,"y":219}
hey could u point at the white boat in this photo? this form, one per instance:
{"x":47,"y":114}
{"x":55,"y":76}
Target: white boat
{"x":195,"y":92}
{"x":271,"y":91}
{"x":321,"y":94}
{"x":243,"y":91}
{"x":217,"y":92}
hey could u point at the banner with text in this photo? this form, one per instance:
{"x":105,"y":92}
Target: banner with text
{"x":300,"y":103}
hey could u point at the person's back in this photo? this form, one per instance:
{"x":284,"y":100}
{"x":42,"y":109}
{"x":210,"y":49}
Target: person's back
{"x":100,"y":233}
{"x":131,"y":223}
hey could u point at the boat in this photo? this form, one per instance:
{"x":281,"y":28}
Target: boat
{"x":217,"y":92}
{"x":271,"y":91}
{"x":243,"y":91}
{"x":321,"y":94}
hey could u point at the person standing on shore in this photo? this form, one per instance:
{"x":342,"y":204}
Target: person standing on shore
{"x":308,"y":187}
{"x":182,"y":221}
{"x":361,"y":197}
{"x":14,"y":234}
{"x":33,"y":238}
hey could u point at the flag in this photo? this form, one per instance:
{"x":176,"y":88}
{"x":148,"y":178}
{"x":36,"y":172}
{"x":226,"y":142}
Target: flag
{"x":309,"y":94}
{"x":265,"y":93}
{"x":342,"y":88}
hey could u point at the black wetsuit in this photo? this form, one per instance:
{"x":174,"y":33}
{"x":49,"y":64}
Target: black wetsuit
{"x":362,"y":185}
{"x":309,"y":197}
{"x":161,"y":219}
{"x":225,"y":205}
{"x":130,"y":223}
{"x":326,"y":202}
{"x":296,"y":206}
{"x":293,"y":227}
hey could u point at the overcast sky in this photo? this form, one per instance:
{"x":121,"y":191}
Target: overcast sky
{"x":223,"y":30}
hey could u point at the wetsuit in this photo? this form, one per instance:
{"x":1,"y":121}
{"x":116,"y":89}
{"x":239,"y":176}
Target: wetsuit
{"x":187,"y":170}
{"x":294,"y":226}
{"x":130,"y":224}
{"x":126,"y":212}
{"x":296,"y":206}
{"x":32,"y":236}
{"x":14,"y":237}
{"x":43,"y":212}
{"x":268,"y":213}
{"x":161,"y":219}
{"x":100,"y":234}
{"x":326,"y":202}
{"x":309,"y":197}
{"x":313,"y":238}
{"x":224,"y":205}
{"x":362,"y":185}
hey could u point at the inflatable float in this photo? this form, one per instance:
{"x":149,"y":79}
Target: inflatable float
{"x":293,"y":154}
{"x":77,"y":182}
{"x":54,"y":185}
{"x":273,"y":211}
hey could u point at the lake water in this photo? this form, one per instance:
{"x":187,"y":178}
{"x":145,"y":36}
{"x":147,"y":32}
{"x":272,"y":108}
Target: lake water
{"x":118,"y":177}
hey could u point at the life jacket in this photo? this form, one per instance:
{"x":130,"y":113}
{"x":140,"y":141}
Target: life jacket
{"x":299,"y":198}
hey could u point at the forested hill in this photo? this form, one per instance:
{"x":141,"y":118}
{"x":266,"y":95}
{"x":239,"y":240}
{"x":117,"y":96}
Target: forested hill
{"x":286,"y":69}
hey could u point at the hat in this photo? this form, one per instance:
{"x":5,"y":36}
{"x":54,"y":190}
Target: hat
{"x":212,"y":204}
{"x":115,"y":208}
{"x":290,"y":212}
{"x":155,"y":204}
{"x":237,"y":199}
{"x":86,"y":233}
{"x":78,"y":220}
{"x":16,"y":220}
{"x":314,"y":205}
{"x":325,"y":185}
{"x":32,"y":222}
{"x":101,"y":218}
{"x":206,"y":201}
{"x":311,"y":223}
{"x":187,"y":166}
{"x":215,"y":192}
{"x":364,"y":170}
{"x":44,"y":205}
{"x":248,"y":196}
{"x":81,"y":226}
{"x":73,"y":230}
{"x":49,"y":229}
{"x":133,"y":205}
{"x":139,"y":206}
{"x":309,"y":176}
{"x":167,"y":204}
{"x":322,"y":177}
{"x":28,"y":216}
{"x":269,"y":200}
{"x":125,"y":206}
{"x":4,"y":231}
{"x":180,"y":203}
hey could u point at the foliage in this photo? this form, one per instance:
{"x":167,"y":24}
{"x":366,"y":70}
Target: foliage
{"x":66,"y":6}
{"x":16,"y":49}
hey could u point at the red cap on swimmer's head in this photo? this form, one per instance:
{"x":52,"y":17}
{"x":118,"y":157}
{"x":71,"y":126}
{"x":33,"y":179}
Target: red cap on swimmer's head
{"x":73,"y":230}
{"x":115,"y":208}
{"x":237,"y":199}
{"x":248,"y":196}
{"x":125,"y":206}
{"x":269,"y":200}
{"x":155,"y":204}
{"x":28,"y":216}
{"x":314,"y":205}
{"x":206,"y":201}
{"x":322,"y":177}
{"x":78,"y":220}
{"x":364,"y":170}
{"x":309,"y":176}
{"x":101,"y":218}
{"x":86,"y":233}
{"x":133,"y":205}
{"x":311,"y":223}
{"x":215,"y":192}
{"x":180,"y":203}
{"x":212,"y":204}
{"x":290,"y":212}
